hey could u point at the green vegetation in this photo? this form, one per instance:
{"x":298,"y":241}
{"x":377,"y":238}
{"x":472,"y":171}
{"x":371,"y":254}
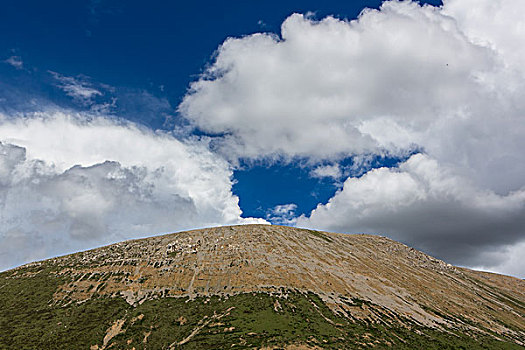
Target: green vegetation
{"x":29,"y":319}
{"x":320,"y":235}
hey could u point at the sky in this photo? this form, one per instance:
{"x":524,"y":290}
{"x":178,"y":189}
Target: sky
{"x":124,"y":119}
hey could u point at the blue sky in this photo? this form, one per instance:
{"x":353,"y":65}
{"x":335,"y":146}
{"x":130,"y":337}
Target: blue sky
{"x":398,"y":120}
{"x":129,"y":43}
{"x":160,"y":48}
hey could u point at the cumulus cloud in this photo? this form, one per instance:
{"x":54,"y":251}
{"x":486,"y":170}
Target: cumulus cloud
{"x":447,"y":81}
{"x":402,"y":77}
{"x":70,"y":182}
{"x":430,"y":207}
{"x":309,"y":92}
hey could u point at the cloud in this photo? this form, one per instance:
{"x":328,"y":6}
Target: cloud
{"x":508,"y":260}
{"x":430,"y":207}
{"x":29,"y":92}
{"x":332,"y":171}
{"x":309,"y":92}
{"x":133,"y":104}
{"x":445,"y":81}
{"x":78,"y":88}
{"x":72,"y":181}
{"x":282,"y":214}
{"x":399,"y":78}
{"x":15,"y":61}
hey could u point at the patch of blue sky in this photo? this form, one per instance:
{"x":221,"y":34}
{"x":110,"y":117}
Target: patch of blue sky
{"x":33,"y":90}
{"x":262,"y":186}
{"x":160,"y":45}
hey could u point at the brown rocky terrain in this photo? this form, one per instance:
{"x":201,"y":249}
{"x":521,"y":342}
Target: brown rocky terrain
{"x":364,"y":278}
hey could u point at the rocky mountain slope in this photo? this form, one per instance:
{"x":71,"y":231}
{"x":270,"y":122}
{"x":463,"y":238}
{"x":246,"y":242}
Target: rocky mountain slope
{"x":258,"y":286}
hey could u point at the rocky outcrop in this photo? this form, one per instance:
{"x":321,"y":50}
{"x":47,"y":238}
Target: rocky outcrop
{"x":363,"y":277}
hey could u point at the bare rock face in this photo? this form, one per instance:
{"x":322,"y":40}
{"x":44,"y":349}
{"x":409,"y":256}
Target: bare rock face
{"x":362,"y":278}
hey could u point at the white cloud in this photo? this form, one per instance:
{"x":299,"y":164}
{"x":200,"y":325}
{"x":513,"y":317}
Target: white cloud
{"x":430,"y":207}
{"x":332,"y":171}
{"x":308,"y":93}
{"x":70,"y":182}
{"x":80,"y":90}
{"x":402,"y":77}
{"x":283,"y":214}
{"x":446,"y":80}
{"x":15,"y":61}
{"x":497,"y":24}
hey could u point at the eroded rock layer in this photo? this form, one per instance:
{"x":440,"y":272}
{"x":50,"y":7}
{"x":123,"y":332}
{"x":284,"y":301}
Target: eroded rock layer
{"x":361,"y":278}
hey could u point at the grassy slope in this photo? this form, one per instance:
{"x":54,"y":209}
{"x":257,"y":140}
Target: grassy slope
{"x":27,"y":321}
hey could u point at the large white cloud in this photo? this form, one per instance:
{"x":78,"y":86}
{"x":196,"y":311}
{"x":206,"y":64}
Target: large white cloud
{"x":446,"y":80}
{"x":430,"y":207}
{"x":396,"y":77}
{"x":309,"y":92}
{"x":69,"y":182}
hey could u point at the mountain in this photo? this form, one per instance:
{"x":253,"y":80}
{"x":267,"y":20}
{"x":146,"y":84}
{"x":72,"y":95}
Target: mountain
{"x":258,"y":286}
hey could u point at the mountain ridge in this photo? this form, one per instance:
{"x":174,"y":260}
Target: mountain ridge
{"x":363,"y":279}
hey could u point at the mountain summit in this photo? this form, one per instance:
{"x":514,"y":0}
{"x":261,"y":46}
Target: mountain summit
{"x":258,"y":286}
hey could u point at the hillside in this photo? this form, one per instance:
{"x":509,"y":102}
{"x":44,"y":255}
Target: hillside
{"x":257,"y":286}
